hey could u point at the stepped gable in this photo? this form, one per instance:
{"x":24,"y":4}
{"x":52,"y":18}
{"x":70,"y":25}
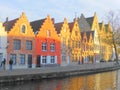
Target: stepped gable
{"x":36,"y":25}
{"x":58,"y":27}
{"x":9,"y":24}
{"x":90,"y":20}
{"x":83,"y":24}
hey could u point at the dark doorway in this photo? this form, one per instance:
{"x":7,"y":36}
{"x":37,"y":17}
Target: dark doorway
{"x":38,"y":61}
{"x":29,"y":61}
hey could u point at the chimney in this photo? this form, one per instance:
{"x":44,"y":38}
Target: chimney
{"x":6,"y":19}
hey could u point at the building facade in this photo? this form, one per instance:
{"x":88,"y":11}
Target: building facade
{"x":47,"y":43}
{"x":21,"y":42}
{"x":76,"y":50}
{"x":3,"y":42}
{"x":64,"y":33}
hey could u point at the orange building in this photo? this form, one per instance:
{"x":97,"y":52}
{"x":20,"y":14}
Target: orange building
{"x":47,"y":43}
{"x":21,"y":42}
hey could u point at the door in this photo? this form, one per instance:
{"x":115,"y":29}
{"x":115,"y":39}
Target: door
{"x":38,"y":61}
{"x":29,"y":61}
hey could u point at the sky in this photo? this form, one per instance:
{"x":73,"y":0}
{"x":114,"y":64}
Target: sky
{"x":58,"y":9}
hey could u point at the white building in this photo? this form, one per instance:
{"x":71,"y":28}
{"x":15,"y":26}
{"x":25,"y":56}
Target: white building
{"x":3,"y":42}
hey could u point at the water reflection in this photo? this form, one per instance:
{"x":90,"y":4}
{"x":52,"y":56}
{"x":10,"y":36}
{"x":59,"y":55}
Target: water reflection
{"x":102,"y":81}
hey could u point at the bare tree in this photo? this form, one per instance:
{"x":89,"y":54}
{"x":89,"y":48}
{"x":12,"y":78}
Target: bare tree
{"x":114,"y":19}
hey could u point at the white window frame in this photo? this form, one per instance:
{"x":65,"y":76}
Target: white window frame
{"x":44,"y":46}
{"x":52,"y":47}
{"x":22,"y":59}
{"x":52,"y":59}
{"x":44,"y":59}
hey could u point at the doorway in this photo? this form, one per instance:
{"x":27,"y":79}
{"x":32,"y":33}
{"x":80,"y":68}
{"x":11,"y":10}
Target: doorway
{"x":29,"y":61}
{"x":38,"y":61}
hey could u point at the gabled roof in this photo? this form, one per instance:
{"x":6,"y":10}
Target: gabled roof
{"x":83,"y":24}
{"x":58,"y":27}
{"x":90,"y":20}
{"x":9,"y":24}
{"x":87,"y":34}
{"x":36,"y":25}
{"x":106,"y":27}
{"x":71,"y":24}
{"x":100,"y":25}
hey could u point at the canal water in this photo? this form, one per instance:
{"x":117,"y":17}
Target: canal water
{"x":100,"y":81}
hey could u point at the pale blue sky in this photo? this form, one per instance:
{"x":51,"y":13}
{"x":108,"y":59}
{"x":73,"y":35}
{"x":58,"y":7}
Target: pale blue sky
{"x":59,"y":9}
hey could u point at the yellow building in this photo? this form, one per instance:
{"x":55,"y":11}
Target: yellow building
{"x":105,"y":35}
{"x":94,"y":26}
{"x":102,"y":35}
{"x":109,"y":46}
{"x":87,"y":46}
{"x":64,"y":33}
{"x":76,"y":52}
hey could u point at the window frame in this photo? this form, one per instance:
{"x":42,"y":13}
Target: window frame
{"x":52,"y":59}
{"x":44,"y":59}
{"x":52,"y":47}
{"x":28,"y":45}
{"x":25,"y":29}
{"x":17,"y":44}
{"x":22,"y":59}
{"x":44,"y":46}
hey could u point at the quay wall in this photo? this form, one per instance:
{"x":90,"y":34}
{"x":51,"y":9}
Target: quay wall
{"x":18,"y":75}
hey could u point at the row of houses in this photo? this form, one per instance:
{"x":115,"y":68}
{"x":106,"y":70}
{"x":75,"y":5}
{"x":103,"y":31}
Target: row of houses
{"x":46,"y":43}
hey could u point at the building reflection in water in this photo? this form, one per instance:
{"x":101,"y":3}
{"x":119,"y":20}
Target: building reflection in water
{"x":102,"y":81}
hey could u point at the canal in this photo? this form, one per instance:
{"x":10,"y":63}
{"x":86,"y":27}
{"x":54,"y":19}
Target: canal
{"x":100,"y":81}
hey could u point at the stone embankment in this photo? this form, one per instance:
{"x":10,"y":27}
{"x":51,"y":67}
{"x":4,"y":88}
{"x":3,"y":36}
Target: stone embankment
{"x":55,"y":72}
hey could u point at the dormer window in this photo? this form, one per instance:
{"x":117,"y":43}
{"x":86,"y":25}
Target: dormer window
{"x":23,"y":29}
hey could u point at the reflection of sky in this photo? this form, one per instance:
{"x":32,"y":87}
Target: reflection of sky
{"x":101,"y":81}
{"x":56,"y":8}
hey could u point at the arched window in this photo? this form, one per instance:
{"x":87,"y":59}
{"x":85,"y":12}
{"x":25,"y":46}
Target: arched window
{"x":23,"y":28}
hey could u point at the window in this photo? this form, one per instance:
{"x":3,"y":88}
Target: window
{"x":28,"y":45}
{"x":23,"y":28}
{"x":17,"y":44}
{"x":52,"y":47}
{"x":52,"y":59}
{"x":44,"y":46}
{"x":22,"y":59}
{"x":44,"y":59}
{"x":13,"y":57}
{"x":76,"y":33}
{"x":48,"y":33}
